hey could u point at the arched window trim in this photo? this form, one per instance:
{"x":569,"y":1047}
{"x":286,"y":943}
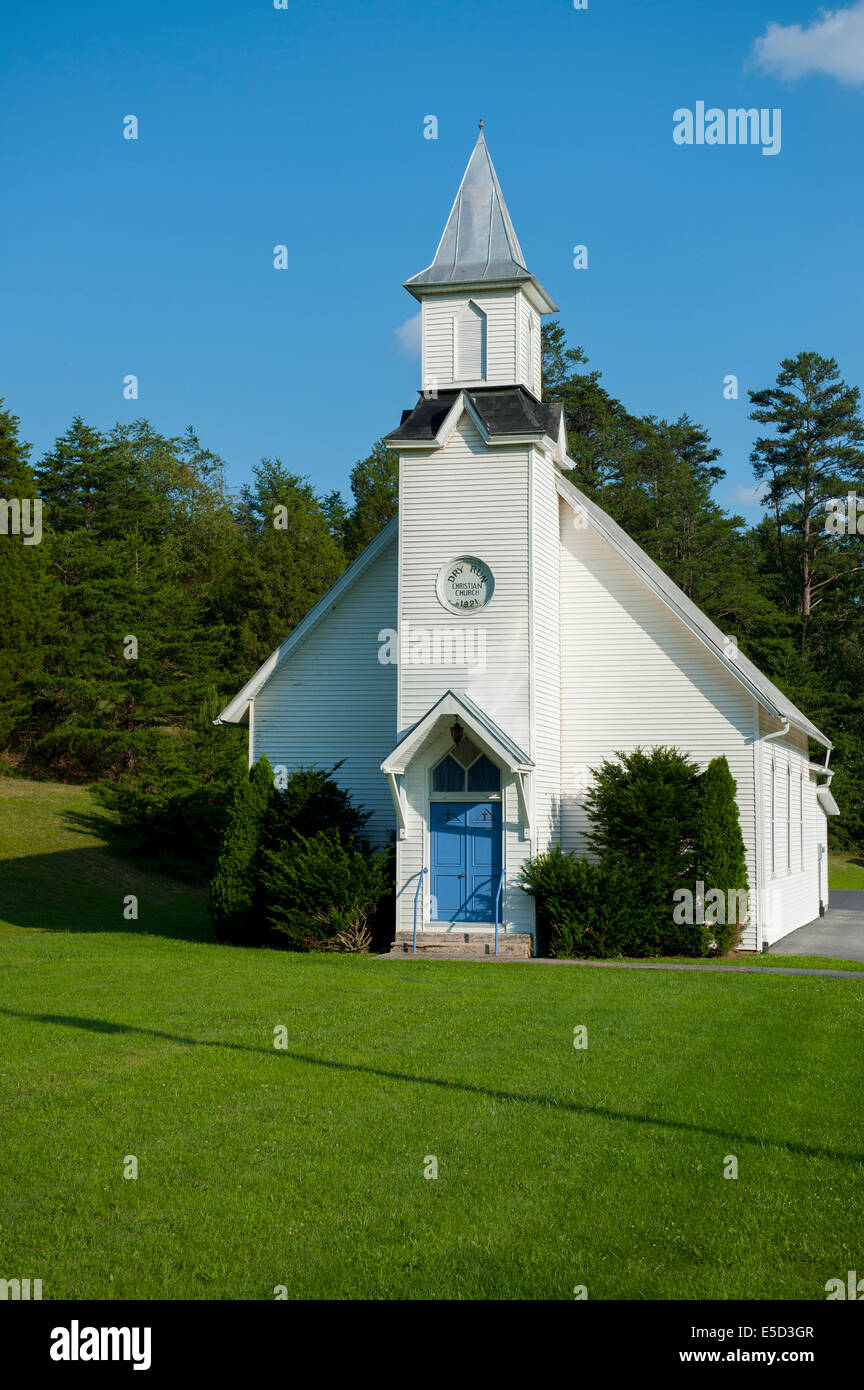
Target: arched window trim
{"x":466,"y":794}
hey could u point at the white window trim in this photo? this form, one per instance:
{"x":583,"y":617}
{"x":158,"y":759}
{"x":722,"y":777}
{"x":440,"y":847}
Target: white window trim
{"x":471,"y":312}
{"x":801,"y":811}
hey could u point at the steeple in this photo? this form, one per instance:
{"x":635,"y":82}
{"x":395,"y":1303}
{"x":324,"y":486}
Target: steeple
{"x":479,"y":245}
{"x":481,"y":306}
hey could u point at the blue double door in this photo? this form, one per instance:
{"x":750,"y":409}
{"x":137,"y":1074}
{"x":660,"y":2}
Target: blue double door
{"x":465,"y":860}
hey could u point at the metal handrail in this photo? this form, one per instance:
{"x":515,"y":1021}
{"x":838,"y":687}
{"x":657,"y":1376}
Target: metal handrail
{"x":498,"y":908}
{"x":423,"y":871}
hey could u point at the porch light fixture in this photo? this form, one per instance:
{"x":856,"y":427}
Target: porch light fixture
{"x":456,"y":732}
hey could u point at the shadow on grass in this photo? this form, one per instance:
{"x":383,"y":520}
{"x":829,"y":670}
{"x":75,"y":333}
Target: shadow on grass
{"x":178,"y":859}
{"x":84,"y":890}
{"x":791,"y":1146}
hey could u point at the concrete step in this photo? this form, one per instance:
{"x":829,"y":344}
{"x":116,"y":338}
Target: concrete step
{"x":465,"y":945}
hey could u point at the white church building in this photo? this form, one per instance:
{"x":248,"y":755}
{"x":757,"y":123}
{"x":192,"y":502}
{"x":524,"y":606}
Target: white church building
{"x":503,"y":636}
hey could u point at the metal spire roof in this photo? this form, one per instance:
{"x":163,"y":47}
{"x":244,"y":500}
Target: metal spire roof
{"x":479,"y":241}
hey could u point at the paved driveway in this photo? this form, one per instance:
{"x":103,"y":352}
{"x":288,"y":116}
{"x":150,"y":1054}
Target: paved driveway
{"x":839,"y":933}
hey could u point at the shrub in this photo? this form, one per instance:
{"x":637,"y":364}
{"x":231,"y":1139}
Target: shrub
{"x":589,"y":910}
{"x":174,"y":808}
{"x":321,"y":893}
{"x":312,"y":801}
{"x":641,"y":814}
{"x":234,"y":890}
{"x":657,"y":826}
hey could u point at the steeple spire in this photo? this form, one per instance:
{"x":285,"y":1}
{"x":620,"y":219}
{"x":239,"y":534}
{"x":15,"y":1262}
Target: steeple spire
{"x":479,"y":244}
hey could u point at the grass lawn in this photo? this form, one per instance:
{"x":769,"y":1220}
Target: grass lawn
{"x":845,"y":871}
{"x":56,"y":872}
{"x":757,"y":958}
{"x":304,"y":1167}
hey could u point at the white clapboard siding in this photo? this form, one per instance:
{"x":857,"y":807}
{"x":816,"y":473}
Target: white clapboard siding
{"x":506,"y":359}
{"x":438,"y":330}
{"x":466,"y":500}
{"x":545,"y":650}
{"x":790,"y":896}
{"x":633,"y":674}
{"x":332,"y":698}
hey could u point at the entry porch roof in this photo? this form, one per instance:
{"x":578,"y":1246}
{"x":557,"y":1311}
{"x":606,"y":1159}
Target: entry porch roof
{"x":473,"y":718}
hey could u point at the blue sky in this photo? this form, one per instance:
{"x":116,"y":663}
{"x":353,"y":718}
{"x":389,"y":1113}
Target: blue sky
{"x":304,"y":127}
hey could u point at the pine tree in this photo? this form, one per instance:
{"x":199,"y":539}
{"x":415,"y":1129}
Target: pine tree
{"x":375,"y":489}
{"x":814,"y":456}
{"x":29,"y":598}
{"x":290,"y":558}
{"x":131,"y":519}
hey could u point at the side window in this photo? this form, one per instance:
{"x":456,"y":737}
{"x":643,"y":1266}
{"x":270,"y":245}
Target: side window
{"x":448,"y":776}
{"x":483,"y":776}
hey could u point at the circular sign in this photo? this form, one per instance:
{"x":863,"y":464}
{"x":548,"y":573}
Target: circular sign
{"x":465,"y":584}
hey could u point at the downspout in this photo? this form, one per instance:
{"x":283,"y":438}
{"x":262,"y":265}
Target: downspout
{"x":778,"y":733}
{"x":823,"y":849}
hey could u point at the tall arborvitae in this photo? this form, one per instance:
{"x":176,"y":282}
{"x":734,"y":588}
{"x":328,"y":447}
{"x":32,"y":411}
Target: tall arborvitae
{"x":719,"y":855}
{"x":234,"y":890}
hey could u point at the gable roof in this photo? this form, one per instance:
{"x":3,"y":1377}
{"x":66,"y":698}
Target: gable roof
{"x":235,"y":711}
{"x":760,"y":687}
{"x":767,"y":695}
{"x":479,"y":244}
{"x":477,"y":721}
{"x":501,"y":410}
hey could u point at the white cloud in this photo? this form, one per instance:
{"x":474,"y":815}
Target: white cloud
{"x":832,"y":44}
{"x":408,"y":336}
{"x":742,"y":496}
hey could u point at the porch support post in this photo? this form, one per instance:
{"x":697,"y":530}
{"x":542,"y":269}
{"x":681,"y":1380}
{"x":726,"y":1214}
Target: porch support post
{"x":523,"y":805}
{"x":399,"y":805}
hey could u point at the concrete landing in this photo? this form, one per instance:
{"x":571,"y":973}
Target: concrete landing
{"x":463,"y":945}
{"x":840,"y":933}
